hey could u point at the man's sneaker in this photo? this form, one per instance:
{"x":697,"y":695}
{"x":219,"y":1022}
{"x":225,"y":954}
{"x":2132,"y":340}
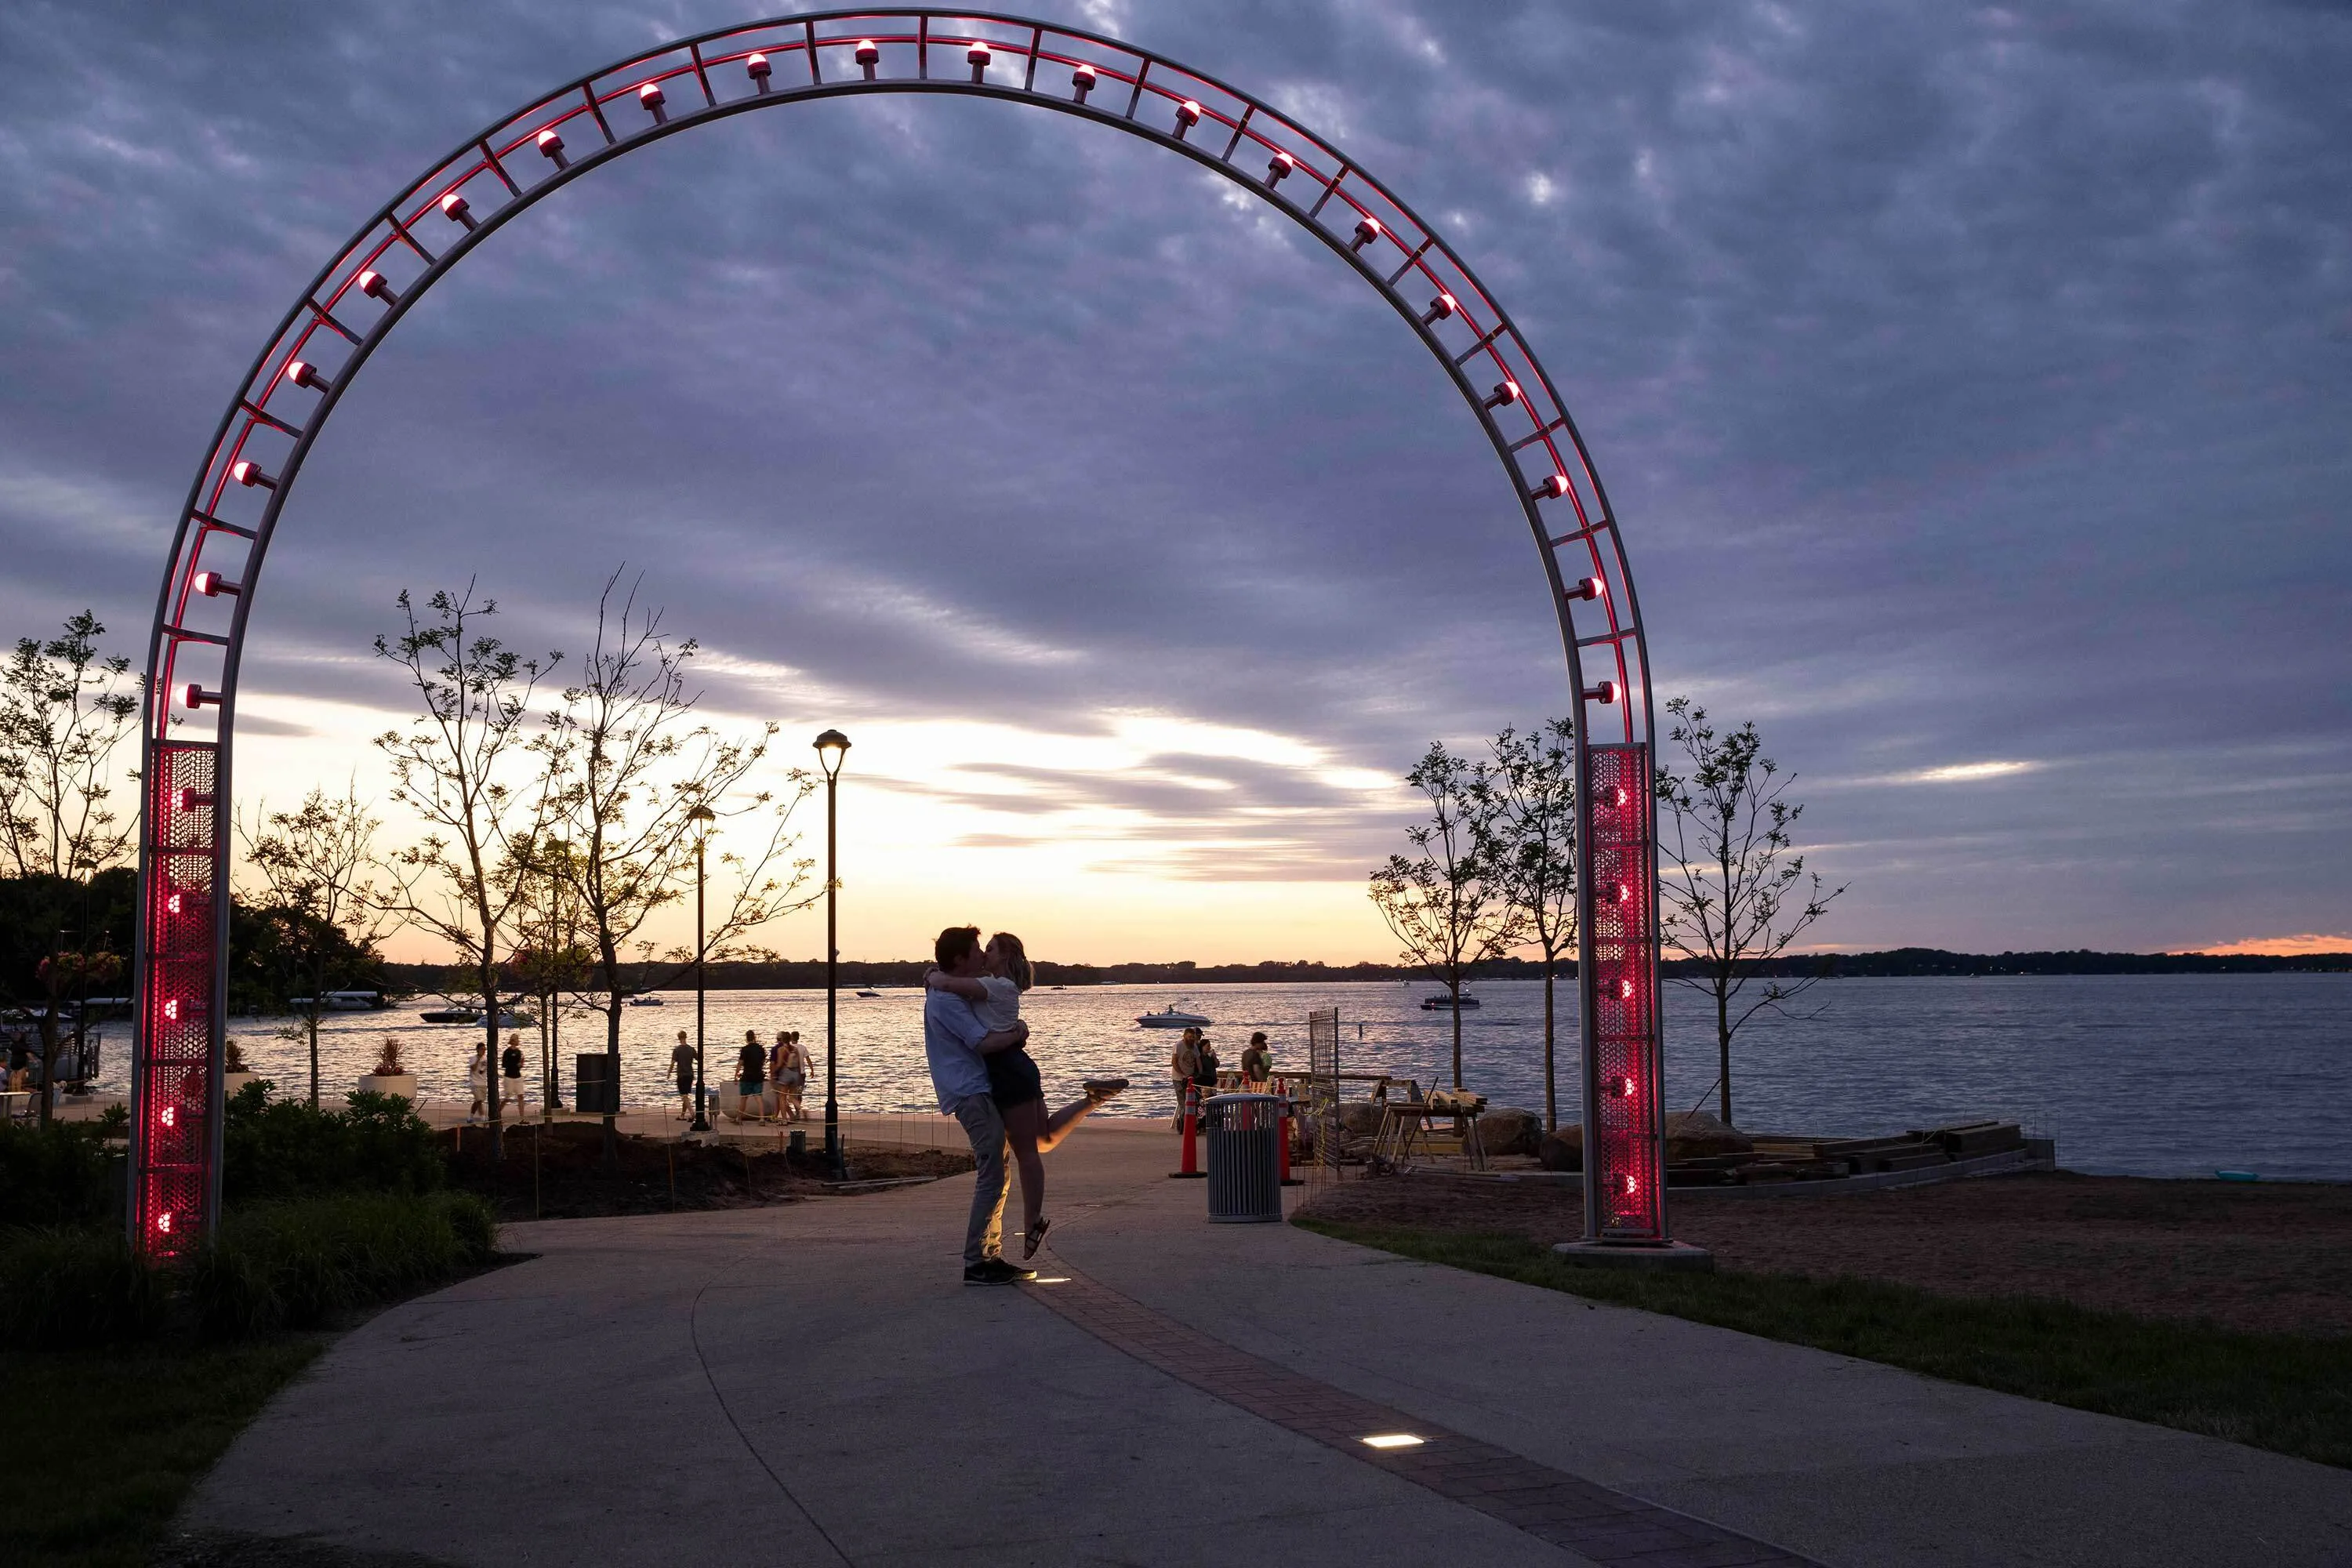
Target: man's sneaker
{"x":1101,"y":1089}
{"x":996,"y":1271}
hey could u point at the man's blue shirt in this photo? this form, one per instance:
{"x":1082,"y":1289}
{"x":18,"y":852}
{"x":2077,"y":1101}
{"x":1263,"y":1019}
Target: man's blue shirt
{"x":951,"y":1036}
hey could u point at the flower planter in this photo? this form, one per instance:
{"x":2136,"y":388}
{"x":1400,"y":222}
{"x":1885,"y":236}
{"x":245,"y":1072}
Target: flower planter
{"x":402,"y":1084}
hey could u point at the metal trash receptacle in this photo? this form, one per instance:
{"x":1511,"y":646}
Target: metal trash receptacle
{"x":1245,"y":1184}
{"x":593,"y":1093}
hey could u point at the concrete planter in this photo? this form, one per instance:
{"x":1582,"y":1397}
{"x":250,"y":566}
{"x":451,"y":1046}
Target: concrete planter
{"x":400,"y":1084}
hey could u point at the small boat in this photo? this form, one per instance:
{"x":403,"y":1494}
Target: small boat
{"x":1173,"y":1018}
{"x":647,"y":999}
{"x":341,"y":1002}
{"x":1447,"y":1001}
{"x":869,"y":994}
{"x":473,"y":1015}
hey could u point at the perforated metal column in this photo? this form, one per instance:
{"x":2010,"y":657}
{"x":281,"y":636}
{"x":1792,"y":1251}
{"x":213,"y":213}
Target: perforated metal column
{"x":175,"y":1081}
{"x":1625,"y":1163}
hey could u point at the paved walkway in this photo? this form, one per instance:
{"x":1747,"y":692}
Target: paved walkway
{"x":813,"y":1384}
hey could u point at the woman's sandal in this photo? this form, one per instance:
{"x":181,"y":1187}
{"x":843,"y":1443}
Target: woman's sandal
{"x":1101,"y":1089}
{"x":1035,"y":1237}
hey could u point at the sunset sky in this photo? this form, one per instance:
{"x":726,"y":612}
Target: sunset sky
{"x":1973,"y":387}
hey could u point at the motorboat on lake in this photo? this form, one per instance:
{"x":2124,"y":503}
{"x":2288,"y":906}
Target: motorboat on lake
{"x":473,"y":1015}
{"x":647,"y":999}
{"x":1454,"y":1001}
{"x":1173,"y":1018}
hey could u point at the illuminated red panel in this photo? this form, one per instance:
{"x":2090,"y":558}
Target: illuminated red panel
{"x":174,"y":1070}
{"x":1627,"y":1167}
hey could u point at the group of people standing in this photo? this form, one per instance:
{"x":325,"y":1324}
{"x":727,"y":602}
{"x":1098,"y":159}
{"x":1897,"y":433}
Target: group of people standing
{"x":1194,"y":1065}
{"x":784,"y":1064}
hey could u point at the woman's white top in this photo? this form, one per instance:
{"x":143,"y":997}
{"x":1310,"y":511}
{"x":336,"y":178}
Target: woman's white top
{"x":1002,"y":1008}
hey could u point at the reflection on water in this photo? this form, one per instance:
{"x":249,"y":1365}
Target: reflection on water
{"x":2163,"y":1074}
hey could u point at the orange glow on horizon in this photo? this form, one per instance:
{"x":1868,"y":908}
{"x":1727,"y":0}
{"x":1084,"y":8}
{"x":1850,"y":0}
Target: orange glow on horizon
{"x":2281,"y":946}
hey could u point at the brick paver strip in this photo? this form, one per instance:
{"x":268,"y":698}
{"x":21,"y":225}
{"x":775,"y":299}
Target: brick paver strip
{"x":1567,"y":1511}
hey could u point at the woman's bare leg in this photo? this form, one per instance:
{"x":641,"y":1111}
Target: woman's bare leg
{"x":1026,"y":1125}
{"x":1057,"y":1126}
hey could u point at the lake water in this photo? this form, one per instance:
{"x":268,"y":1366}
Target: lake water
{"x":2153,"y":1074}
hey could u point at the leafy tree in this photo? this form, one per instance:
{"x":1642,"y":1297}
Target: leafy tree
{"x":634,"y":781}
{"x":1446,"y":904}
{"x":64,"y":710}
{"x":320,"y":911}
{"x":453,"y":767}
{"x":1532,"y":848}
{"x":1737,"y":896}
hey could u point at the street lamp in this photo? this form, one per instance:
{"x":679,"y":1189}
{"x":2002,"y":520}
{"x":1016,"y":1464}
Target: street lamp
{"x":702,"y":816}
{"x":831,"y":747}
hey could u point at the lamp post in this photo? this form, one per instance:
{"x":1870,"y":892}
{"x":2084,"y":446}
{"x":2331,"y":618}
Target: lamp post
{"x":831,"y":747}
{"x":702,"y":816}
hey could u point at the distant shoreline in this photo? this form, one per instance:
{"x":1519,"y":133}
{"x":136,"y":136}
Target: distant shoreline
{"x":794,"y":974}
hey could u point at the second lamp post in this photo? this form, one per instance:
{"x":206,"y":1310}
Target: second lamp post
{"x":831,"y":747}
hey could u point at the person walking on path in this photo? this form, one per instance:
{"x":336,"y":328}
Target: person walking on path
{"x":956,"y":1046}
{"x":750,"y":1079}
{"x":511,"y":1073}
{"x":681,"y":1061}
{"x":478,"y":1076}
{"x":791,"y":1074}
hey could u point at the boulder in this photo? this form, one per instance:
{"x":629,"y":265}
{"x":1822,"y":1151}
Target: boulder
{"x":1563,"y":1150}
{"x":1506,"y":1130}
{"x":1694,"y":1134}
{"x":1359,"y":1117}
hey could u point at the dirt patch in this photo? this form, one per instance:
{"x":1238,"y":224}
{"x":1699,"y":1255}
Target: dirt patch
{"x":557,"y":1171}
{"x":2270,"y":1258}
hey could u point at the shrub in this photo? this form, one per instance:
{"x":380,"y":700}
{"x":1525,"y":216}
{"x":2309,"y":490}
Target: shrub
{"x":54,"y":1176}
{"x":63,"y":1288}
{"x":294,"y":1265}
{"x":275,"y":1149}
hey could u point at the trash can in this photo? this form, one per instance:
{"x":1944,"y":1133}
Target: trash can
{"x":1245,"y":1184}
{"x":593,"y":1094}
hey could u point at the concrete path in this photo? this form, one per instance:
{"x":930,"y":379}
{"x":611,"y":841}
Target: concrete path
{"x":813,"y":1384}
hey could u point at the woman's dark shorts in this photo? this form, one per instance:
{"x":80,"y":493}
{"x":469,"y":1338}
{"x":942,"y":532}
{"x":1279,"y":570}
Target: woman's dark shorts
{"x":1012,"y":1078}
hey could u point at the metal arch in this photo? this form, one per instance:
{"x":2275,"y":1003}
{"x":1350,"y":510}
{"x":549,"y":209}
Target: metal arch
{"x":300,"y":375}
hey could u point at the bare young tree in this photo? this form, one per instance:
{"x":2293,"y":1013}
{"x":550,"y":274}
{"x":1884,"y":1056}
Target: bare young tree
{"x":551,"y":959}
{"x":318,"y":894}
{"x":1736,"y":898}
{"x":634,"y":781}
{"x":1446,"y":904}
{"x":1533,"y":852}
{"x":453,"y":766}
{"x":64,"y":710}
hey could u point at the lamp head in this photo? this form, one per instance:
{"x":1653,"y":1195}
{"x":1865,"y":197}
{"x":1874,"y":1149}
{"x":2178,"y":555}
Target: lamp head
{"x":702,"y":815}
{"x":830,"y":748}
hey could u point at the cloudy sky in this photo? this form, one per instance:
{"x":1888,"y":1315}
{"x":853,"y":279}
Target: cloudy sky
{"x":1974,"y":386}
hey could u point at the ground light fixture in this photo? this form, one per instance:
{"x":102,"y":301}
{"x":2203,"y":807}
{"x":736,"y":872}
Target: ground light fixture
{"x":1391,"y":1441}
{"x":831,"y":747}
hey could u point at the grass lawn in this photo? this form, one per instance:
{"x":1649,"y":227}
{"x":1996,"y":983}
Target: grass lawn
{"x":2287,"y":1392}
{"x":102,"y":1445}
